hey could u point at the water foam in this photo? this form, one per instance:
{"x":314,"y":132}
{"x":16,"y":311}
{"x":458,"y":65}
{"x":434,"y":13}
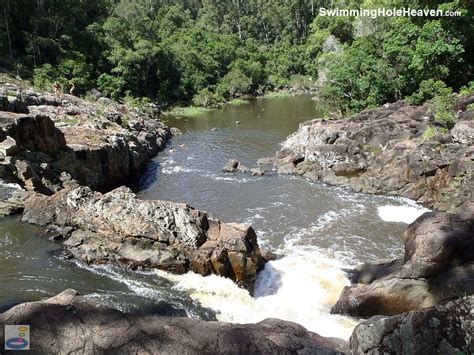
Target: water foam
{"x":401,"y":214}
{"x":177,"y":169}
{"x":278,"y":294}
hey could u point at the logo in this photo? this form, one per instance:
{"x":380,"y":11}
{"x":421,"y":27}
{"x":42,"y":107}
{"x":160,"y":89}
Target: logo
{"x":17,"y":337}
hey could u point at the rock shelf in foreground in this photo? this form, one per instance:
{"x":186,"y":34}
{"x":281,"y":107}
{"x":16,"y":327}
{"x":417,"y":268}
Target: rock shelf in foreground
{"x":72,"y":324}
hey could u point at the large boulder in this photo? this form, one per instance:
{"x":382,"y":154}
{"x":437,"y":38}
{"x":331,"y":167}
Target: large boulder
{"x":385,"y":150}
{"x":444,"y":330}
{"x":438,"y":266}
{"x":72,"y":324}
{"x":463,"y":132}
{"x":118,"y":228}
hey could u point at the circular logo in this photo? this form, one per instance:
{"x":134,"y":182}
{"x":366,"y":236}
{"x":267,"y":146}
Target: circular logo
{"x":16,"y":343}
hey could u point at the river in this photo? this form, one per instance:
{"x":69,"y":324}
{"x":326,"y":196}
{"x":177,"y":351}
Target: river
{"x":317,"y":230}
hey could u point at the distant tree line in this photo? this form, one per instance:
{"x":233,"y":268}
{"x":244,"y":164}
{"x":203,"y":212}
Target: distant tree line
{"x":209,"y":51}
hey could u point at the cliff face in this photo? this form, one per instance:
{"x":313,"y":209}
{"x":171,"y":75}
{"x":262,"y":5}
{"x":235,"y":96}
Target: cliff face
{"x":46,"y":139}
{"x":385,"y":150}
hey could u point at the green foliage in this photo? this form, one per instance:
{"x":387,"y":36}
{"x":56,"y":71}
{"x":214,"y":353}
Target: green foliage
{"x":429,"y":89}
{"x":467,"y":89}
{"x":188,"y":111}
{"x":208,"y":52}
{"x":358,"y":77}
{"x":207,"y":98}
{"x":238,"y":102}
{"x":235,"y":83}
{"x":429,"y":132}
{"x":443,"y":109}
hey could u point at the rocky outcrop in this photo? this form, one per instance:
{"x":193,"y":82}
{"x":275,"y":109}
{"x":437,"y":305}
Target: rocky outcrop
{"x":387,"y":150}
{"x":438,"y":267}
{"x":445,"y":330}
{"x":72,"y":324}
{"x":233,"y":166}
{"x":118,"y":228}
{"x":52,"y":139}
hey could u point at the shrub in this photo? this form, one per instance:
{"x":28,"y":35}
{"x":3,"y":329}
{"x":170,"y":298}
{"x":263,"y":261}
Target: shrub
{"x":443,"y":109}
{"x":235,"y":83}
{"x":207,"y":98}
{"x":427,"y":90}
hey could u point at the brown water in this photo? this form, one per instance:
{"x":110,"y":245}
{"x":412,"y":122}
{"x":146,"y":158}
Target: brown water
{"x":319,"y":230}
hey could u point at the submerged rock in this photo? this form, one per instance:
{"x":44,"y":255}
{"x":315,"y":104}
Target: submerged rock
{"x":438,"y":267}
{"x":257,"y":172}
{"x":175,"y":131}
{"x":444,"y":329}
{"x":118,"y":228}
{"x":69,"y":323}
{"x":386,"y":150}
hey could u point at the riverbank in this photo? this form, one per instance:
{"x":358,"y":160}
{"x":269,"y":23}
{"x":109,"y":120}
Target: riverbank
{"x":191,"y":111}
{"x":395,"y":149}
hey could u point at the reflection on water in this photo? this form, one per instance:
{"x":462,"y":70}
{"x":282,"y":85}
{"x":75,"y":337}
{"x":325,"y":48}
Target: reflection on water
{"x":317,"y":229}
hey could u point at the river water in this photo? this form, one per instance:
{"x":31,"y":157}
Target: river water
{"x":318,"y":230}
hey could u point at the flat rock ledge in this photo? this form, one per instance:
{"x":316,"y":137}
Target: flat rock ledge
{"x":120,"y":229}
{"x":438,"y":267}
{"x":387,"y":150}
{"x":73,"y":324}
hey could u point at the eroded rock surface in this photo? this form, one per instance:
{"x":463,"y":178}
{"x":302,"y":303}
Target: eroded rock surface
{"x":72,"y":324}
{"x":385,"y":150}
{"x":444,"y":329}
{"x":46,"y":139}
{"x":118,"y":228}
{"x":438,"y":266}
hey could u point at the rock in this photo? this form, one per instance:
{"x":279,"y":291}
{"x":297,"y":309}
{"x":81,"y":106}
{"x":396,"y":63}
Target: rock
{"x":232,"y":166}
{"x":8,"y":146}
{"x":257,"y":172}
{"x":8,"y":208}
{"x":444,"y":329}
{"x":12,"y":104}
{"x":463,"y":132}
{"x":102,"y":145}
{"x":175,"y":131}
{"x":104,"y":101}
{"x":120,"y":229}
{"x":383,"y":150}
{"x":33,"y":132}
{"x":438,"y":267}
{"x":12,"y":200}
{"x":268,"y":255}
{"x":467,"y":115}
{"x":464,"y":101}
{"x":69,"y":323}
{"x":266,"y":161}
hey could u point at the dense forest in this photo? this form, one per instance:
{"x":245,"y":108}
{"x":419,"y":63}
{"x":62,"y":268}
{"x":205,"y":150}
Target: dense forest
{"x":205,"y":52}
